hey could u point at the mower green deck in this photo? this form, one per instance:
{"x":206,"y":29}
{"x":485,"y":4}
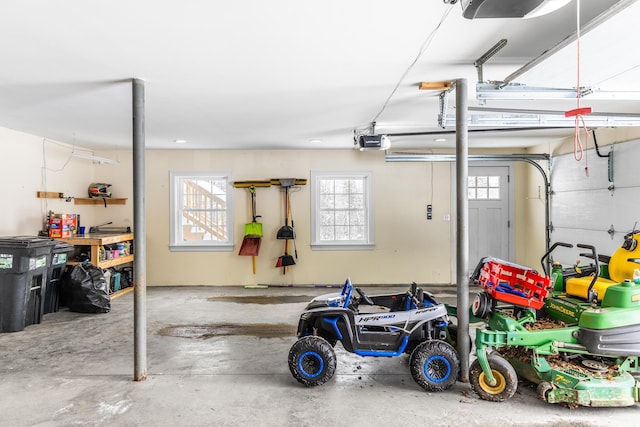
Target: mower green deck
{"x":571,"y":385}
{"x":559,"y":382}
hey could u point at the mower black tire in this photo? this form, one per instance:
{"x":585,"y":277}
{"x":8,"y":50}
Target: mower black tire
{"x":504,"y":374}
{"x":312,"y":361}
{"x":543,"y":390}
{"x":434,"y":365}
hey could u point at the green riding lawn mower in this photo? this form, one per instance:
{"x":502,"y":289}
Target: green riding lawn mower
{"x":574,"y":332}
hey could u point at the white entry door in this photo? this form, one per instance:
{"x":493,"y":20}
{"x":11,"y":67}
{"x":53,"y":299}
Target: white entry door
{"x":489,"y":217}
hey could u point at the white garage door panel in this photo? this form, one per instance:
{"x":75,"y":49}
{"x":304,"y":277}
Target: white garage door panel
{"x":583,"y":208}
{"x":604,"y":245}
{"x":626,"y":165}
{"x":594,"y":209}
{"x":569,"y":175}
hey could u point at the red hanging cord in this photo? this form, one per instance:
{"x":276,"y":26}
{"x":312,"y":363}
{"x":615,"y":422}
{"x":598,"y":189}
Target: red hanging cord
{"x":578,"y":112}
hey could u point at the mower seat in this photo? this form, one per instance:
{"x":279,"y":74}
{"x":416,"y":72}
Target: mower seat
{"x":620,"y":269}
{"x":579,"y":286}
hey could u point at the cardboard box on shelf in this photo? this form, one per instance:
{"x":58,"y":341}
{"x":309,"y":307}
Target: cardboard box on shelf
{"x":63,"y":225}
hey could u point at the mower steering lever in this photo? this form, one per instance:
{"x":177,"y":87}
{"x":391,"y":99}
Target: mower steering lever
{"x":551,"y":249}
{"x":588,"y":255}
{"x":590,"y":294}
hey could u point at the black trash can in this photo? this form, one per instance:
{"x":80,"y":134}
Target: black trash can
{"x":59,"y":257}
{"x":24,"y":261}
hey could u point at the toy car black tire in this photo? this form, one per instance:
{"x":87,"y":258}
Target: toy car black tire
{"x":312,"y":361}
{"x":503,"y":372}
{"x":434,"y":365}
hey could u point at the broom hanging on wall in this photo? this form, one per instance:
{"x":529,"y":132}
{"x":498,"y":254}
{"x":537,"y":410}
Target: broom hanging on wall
{"x":252,"y":233}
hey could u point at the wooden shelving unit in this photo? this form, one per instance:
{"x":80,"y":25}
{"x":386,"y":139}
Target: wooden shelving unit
{"x":97,"y":240}
{"x":99,"y":201}
{"x":94,"y":241}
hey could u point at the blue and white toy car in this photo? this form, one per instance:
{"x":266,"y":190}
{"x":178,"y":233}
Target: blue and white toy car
{"x":411,"y":322}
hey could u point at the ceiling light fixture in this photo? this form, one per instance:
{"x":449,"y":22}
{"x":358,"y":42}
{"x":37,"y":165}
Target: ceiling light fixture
{"x":477,"y":9}
{"x":546,"y":7}
{"x":180,"y":141}
{"x":96,"y":159}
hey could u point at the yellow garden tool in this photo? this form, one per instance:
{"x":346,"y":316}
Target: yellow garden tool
{"x":252,"y":233}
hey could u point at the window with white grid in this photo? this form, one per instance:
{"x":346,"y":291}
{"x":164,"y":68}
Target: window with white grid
{"x":342,"y":210}
{"x":201,"y":211}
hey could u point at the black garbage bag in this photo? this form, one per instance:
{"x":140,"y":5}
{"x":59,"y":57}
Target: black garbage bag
{"x":85,"y":290}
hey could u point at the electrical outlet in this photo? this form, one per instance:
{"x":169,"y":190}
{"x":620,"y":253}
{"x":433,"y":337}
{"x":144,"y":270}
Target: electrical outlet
{"x":446,"y":217}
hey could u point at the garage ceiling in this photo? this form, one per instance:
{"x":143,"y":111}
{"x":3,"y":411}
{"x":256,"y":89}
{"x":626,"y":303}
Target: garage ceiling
{"x":288,"y":74}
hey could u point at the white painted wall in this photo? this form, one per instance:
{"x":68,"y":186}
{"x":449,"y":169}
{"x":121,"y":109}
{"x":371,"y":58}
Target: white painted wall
{"x":408,"y":247}
{"x":31,"y":163}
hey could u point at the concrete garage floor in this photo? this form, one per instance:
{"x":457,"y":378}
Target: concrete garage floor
{"x":218,"y":357}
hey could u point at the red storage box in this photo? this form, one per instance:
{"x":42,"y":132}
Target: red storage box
{"x":514,"y":283}
{"x":62,"y":225}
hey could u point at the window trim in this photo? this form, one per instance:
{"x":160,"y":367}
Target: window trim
{"x":315,"y":203}
{"x":174,"y":194}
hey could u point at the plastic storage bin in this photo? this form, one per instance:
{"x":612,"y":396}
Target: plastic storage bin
{"x":59,"y":257}
{"x":115,"y":282}
{"x":24,"y":261}
{"x":513,"y":283}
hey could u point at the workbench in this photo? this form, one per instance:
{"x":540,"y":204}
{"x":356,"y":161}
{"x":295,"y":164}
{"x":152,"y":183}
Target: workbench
{"x":95,"y":240}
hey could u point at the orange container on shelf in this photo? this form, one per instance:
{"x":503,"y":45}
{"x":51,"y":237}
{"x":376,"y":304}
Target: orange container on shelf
{"x":63,"y":225}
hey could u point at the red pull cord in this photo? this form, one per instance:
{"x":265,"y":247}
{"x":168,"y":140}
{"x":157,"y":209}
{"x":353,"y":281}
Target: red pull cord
{"x":578,"y":149}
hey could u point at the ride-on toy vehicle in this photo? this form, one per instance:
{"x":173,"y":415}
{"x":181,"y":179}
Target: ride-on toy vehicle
{"x":411,"y":322}
{"x":589,"y":363}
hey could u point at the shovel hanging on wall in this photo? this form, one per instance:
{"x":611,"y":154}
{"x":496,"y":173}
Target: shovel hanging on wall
{"x":286,"y":232}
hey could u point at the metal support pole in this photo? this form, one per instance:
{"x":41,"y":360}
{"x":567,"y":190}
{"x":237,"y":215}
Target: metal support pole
{"x":139,"y":228}
{"x":462,"y":224}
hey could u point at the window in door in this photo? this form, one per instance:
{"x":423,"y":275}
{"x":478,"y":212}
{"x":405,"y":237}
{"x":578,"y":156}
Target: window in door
{"x":484,"y":187}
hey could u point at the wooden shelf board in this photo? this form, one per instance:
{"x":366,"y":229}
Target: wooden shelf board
{"x":116,"y":261}
{"x":121,"y":292}
{"x":49,"y":195}
{"x":99,"y":201}
{"x":109,"y":262}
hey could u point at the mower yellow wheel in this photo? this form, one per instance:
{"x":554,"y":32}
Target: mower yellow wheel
{"x":498,"y":388}
{"x":504,"y":374}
